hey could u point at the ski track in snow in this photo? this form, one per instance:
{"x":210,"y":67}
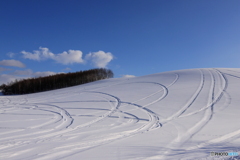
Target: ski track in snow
{"x":59,"y":124}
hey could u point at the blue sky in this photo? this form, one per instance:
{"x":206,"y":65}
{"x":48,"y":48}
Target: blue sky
{"x":130,"y":37}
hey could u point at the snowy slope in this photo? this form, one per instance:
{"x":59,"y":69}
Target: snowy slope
{"x":182,"y":114}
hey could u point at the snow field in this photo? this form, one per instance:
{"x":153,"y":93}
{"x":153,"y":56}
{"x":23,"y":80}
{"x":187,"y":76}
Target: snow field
{"x":182,"y":114}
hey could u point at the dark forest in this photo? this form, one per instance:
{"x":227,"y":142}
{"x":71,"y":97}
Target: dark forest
{"x":40,"y":84}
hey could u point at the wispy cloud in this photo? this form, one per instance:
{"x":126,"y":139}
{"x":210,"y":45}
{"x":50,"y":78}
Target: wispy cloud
{"x":10,"y":54}
{"x":128,"y":76}
{"x":23,"y":74}
{"x":12,"y":62}
{"x":30,"y":73}
{"x":43,"y":74}
{"x":4,"y":69}
{"x":99,"y":59}
{"x":66,"y":57}
{"x":5,"y":78}
{"x":27,"y":72}
{"x":67,"y":69}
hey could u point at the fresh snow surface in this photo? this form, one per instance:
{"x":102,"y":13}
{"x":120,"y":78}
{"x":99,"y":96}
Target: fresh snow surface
{"x":173,"y":115}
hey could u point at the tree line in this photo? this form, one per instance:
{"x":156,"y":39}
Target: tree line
{"x":34,"y":85}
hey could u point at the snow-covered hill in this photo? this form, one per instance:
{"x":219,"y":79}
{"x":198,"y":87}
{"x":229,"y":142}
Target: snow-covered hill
{"x":182,"y":114}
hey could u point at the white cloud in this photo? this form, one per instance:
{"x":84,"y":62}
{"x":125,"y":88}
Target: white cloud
{"x":32,"y":56}
{"x":13,"y":63}
{"x":99,"y":59}
{"x":38,"y":55}
{"x":45,"y":53}
{"x":72,"y":56}
{"x":128,"y":76}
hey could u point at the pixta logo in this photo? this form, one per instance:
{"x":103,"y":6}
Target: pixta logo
{"x":224,"y":154}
